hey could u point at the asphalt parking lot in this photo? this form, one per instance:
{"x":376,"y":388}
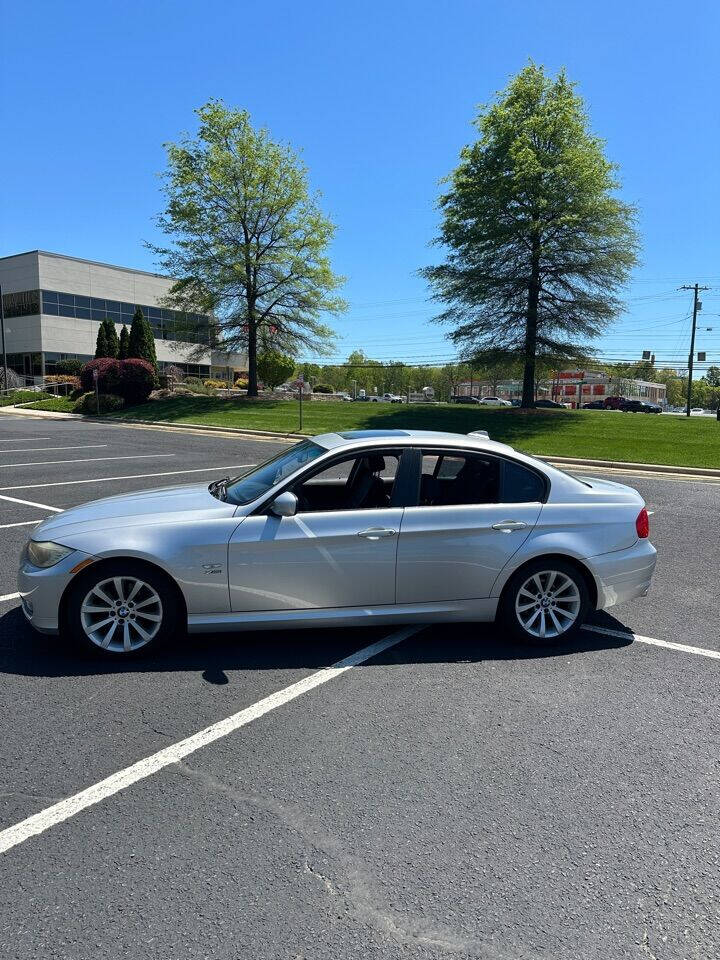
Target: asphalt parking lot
{"x":452,"y":796}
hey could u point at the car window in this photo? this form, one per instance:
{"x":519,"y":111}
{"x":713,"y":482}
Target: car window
{"x":258,"y":480}
{"x":458,"y":478}
{"x":521,"y":485}
{"x":360,"y":482}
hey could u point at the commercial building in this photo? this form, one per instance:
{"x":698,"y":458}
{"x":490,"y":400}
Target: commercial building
{"x":571,"y":387}
{"x":54,"y":304}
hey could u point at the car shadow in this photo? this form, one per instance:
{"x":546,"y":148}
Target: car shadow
{"x":23,"y":652}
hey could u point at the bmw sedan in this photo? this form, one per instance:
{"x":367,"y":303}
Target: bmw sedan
{"x":344,"y":528}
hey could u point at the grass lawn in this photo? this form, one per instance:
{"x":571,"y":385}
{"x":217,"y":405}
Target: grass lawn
{"x":56,"y":404}
{"x":596,"y":434}
{"x":20,"y":396}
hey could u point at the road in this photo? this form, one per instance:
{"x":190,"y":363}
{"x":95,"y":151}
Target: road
{"x":453,"y":796}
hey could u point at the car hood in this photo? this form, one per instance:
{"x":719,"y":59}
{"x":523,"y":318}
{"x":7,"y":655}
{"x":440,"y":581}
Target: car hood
{"x":163,"y":505}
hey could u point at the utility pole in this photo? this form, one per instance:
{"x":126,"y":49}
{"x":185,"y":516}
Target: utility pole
{"x":696,"y":306}
{"x":2,"y":334}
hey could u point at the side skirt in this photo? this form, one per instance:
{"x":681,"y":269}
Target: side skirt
{"x":478,"y":610}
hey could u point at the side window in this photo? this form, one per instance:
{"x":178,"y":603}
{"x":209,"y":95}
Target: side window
{"x":521,"y":485}
{"x":458,"y":478}
{"x":363,"y":482}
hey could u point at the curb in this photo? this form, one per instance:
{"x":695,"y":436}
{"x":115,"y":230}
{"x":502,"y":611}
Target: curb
{"x":276,"y":435}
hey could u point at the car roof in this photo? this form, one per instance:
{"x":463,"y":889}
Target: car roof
{"x":398,"y":438}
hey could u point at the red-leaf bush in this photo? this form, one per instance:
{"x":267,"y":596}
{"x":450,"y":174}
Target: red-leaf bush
{"x":109,"y":375}
{"x":137,"y":380}
{"x":133,"y":380}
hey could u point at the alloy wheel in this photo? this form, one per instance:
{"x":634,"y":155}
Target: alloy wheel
{"x":547,"y":604}
{"x":121,"y":614}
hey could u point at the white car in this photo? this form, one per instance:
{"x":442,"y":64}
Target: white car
{"x":494,"y":402}
{"x":373,"y":526}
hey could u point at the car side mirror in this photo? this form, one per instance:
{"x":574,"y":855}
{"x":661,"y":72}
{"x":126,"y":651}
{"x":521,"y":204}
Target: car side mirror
{"x":284,"y":505}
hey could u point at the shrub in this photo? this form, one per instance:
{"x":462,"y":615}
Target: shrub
{"x":174,"y":372}
{"x":215,"y":384}
{"x":69,"y":367}
{"x":73,"y":382}
{"x":137,"y":380}
{"x":87,"y":403}
{"x":323,"y":388}
{"x":109,"y":375}
{"x":241,"y":383}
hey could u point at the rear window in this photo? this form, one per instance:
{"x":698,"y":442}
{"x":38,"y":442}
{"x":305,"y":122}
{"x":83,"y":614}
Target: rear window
{"x":521,"y":485}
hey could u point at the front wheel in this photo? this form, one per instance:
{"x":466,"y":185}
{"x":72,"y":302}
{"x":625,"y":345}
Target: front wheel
{"x":122,"y":608}
{"x":544,"y":602}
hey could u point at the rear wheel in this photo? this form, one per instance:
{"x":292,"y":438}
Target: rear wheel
{"x":545,"y":602}
{"x":122,"y":609}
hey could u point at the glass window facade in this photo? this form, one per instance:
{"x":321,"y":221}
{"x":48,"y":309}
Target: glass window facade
{"x":166,"y":324}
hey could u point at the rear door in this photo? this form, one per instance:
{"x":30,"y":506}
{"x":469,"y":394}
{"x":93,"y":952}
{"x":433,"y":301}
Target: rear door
{"x":474,"y":511}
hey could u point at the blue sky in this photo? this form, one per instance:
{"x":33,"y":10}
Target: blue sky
{"x":379,"y":97}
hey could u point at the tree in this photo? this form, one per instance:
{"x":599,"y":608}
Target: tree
{"x":101,"y":344}
{"x":124,"y":343}
{"x":111,"y":338}
{"x":141,"y":343}
{"x":538,"y":245}
{"x":713,"y":376}
{"x":249,"y":240}
{"x":274,"y":368}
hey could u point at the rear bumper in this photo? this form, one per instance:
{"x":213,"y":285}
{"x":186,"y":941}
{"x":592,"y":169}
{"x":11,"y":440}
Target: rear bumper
{"x":623,"y":574}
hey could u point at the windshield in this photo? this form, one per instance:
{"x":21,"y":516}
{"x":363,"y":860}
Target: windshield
{"x":258,"y":480}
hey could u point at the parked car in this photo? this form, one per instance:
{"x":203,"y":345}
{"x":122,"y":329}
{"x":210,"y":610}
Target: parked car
{"x":345,"y":528}
{"x":614,"y":403}
{"x":697,"y":410}
{"x":651,"y":408}
{"x":595,"y":405}
{"x":549,"y":405}
{"x":461,"y":399}
{"x":494,"y":402}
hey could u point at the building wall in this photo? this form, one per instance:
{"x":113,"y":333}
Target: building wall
{"x":71,"y":335}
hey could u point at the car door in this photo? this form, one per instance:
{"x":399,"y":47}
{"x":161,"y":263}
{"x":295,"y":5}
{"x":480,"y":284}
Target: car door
{"x":339,"y":550}
{"x":474,"y":511}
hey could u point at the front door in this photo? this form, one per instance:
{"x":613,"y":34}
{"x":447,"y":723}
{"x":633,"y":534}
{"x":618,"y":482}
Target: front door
{"x":339,"y":550}
{"x":474,"y":513}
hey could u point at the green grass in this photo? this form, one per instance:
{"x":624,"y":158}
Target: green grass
{"x":601,"y":435}
{"x":20,"y":396}
{"x":55,"y":404}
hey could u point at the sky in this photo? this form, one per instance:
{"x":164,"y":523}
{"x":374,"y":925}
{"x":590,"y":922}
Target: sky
{"x":379,"y":97}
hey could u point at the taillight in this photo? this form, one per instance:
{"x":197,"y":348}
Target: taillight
{"x":642,"y":524}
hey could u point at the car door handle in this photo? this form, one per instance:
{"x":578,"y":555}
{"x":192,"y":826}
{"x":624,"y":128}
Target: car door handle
{"x":508,"y":526}
{"x":377,"y":533}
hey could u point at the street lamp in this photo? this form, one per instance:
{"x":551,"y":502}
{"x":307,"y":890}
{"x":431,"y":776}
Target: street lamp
{"x":2,"y":335}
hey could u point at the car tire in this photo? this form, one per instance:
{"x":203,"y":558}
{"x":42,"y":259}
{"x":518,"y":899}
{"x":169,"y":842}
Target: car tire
{"x":544,"y":594}
{"x":122,"y":609}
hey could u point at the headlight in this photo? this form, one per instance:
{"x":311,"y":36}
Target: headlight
{"x":45,"y":553}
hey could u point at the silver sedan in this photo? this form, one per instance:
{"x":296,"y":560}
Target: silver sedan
{"x":345,"y":528}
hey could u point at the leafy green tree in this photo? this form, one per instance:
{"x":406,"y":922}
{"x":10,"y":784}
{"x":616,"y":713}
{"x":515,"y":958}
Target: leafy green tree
{"x":250,"y":242}
{"x":141,"y":343}
{"x":274,"y":368}
{"x":538,"y":244}
{"x":124,"y":343}
{"x":713,"y":376}
{"x":101,"y":344}
{"x":111,"y":338}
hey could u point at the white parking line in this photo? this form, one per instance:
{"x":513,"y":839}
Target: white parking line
{"x":25,"y":439}
{"x":23,"y":523}
{"x":32,"y":503}
{"x":43,"y":463}
{"x":682,"y":647}
{"x":82,"y":446}
{"x":116,"y":782}
{"x":9,"y":596}
{"x":129,"y":476}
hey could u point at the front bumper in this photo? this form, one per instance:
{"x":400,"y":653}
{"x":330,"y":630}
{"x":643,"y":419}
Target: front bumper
{"x":623,"y":574}
{"x":41,"y":590}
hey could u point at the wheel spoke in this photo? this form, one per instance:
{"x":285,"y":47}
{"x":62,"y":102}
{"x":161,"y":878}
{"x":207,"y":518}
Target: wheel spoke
{"x":149,"y":616}
{"x":550,"y":581}
{"x":522,"y":607}
{"x":532,"y":619}
{"x":555,"y":621}
{"x":99,"y":592}
{"x":102,"y":623}
{"x":526,"y":593}
{"x":542,"y":623}
{"x":89,"y":609}
{"x":538,"y":582}
{"x":117,"y":581}
{"x":127,"y":645}
{"x":143,"y":633}
{"x":137,"y":586}
{"x":145,"y":603}
{"x":109,"y":635}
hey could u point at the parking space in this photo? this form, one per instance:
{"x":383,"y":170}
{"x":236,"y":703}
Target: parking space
{"x":455,"y":795}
